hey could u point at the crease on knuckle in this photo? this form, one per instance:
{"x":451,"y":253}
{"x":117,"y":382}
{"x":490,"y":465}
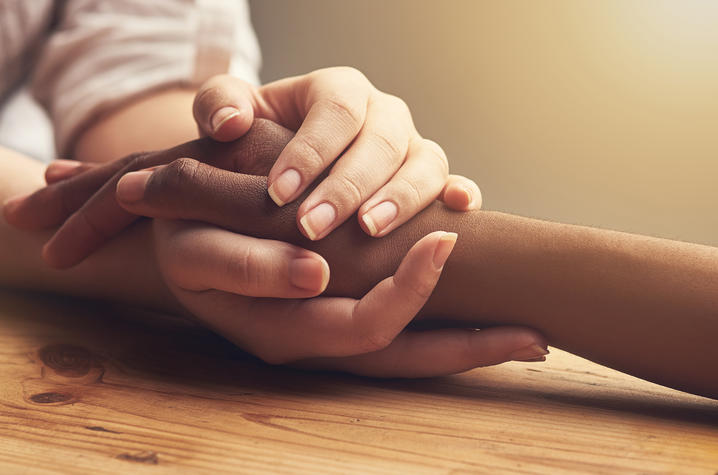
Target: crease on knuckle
{"x":352,"y":196}
{"x":388,"y":145}
{"x":245,"y":268}
{"x":311,"y":159}
{"x":349,"y":115}
{"x":94,"y":228}
{"x":412,"y":193}
{"x":418,"y":286}
{"x":171,"y":180}
{"x":371,"y":338}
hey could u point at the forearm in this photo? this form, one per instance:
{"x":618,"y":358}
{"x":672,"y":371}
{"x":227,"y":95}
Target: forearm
{"x":156,"y":121}
{"x":643,"y":305}
{"x":123,"y":270}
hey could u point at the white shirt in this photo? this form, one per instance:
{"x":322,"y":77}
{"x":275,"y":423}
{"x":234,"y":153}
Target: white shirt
{"x":65,"y":62}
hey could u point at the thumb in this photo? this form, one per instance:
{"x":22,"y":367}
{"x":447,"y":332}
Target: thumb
{"x":223,"y":108}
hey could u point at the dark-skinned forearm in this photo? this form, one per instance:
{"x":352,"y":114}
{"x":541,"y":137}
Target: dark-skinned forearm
{"x":643,"y":305}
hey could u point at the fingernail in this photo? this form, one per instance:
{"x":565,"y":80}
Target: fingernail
{"x":444,"y":248}
{"x":221,"y":116}
{"x":468,"y":196}
{"x":318,"y":220}
{"x":60,"y":168}
{"x":532,"y":352}
{"x":309,"y":274}
{"x":11,"y":204}
{"x":285,"y":186}
{"x":131,"y":187}
{"x":380,"y":216}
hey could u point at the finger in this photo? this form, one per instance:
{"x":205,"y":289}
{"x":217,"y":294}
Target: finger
{"x":96,"y":221}
{"x":461,"y":194}
{"x":372,"y":159}
{"x":223,"y":107}
{"x":63,"y":169}
{"x":411,"y":189}
{"x":338,"y":326}
{"x":191,"y":190}
{"x":201,"y":257}
{"x":334,"y":104}
{"x":50,"y":206}
{"x":440,"y":352}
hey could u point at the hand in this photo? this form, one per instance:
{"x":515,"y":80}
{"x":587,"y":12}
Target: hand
{"x":355,"y":273}
{"x":440,"y":351}
{"x":360,"y":336}
{"x":80,"y":198}
{"x":381,"y":165}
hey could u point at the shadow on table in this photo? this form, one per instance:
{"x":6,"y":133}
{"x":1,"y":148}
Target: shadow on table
{"x":88,"y":342}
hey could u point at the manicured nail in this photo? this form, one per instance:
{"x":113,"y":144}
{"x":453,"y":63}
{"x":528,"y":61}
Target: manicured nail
{"x":11,"y":204}
{"x":444,"y":248}
{"x":131,"y":187}
{"x":318,"y":220}
{"x":380,"y":216}
{"x":285,"y":186}
{"x":221,"y":116}
{"x":309,"y":274}
{"x":468,"y":196}
{"x":61,"y":168}
{"x":532,"y":352}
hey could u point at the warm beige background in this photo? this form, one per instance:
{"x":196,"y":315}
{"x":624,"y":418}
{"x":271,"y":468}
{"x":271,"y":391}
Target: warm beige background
{"x":594,"y":112}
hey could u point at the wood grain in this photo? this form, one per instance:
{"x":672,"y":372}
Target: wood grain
{"x":87,"y":387}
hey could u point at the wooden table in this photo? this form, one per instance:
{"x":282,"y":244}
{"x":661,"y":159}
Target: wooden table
{"x":88,"y":387}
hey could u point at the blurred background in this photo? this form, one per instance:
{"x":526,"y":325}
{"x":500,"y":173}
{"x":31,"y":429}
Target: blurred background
{"x":602,"y":113}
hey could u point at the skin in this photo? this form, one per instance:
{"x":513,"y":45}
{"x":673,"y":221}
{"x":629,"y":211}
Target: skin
{"x":646,"y":306}
{"x":342,"y":120}
{"x":145,"y":265}
{"x":643,"y":305}
{"x":159,"y":119}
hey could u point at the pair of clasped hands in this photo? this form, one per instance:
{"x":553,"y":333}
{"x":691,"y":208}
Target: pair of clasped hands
{"x":218,"y":200}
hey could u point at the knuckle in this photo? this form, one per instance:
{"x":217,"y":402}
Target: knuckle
{"x":310,"y":154}
{"x":388,"y":144}
{"x":417,"y":286}
{"x":93,"y":227}
{"x":409,"y":192}
{"x":398,"y":103}
{"x":179,"y":172}
{"x":345,"y":111}
{"x":135,"y":161}
{"x":352,"y":191}
{"x":168,"y":185}
{"x":438,"y":153}
{"x":350,"y":74}
{"x":246,"y":268}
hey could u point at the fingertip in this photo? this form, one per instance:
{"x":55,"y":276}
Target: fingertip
{"x":60,"y":170}
{"x":309,"y":273}
{"x":463,"y":195}
{"x":443,"y":249}
{"x":231,"y":122}
{"x":131,"y":186}
{"x":11,"y":206}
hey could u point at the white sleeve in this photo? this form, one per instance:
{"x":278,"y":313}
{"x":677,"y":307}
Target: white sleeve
{"x":104,"y":53}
